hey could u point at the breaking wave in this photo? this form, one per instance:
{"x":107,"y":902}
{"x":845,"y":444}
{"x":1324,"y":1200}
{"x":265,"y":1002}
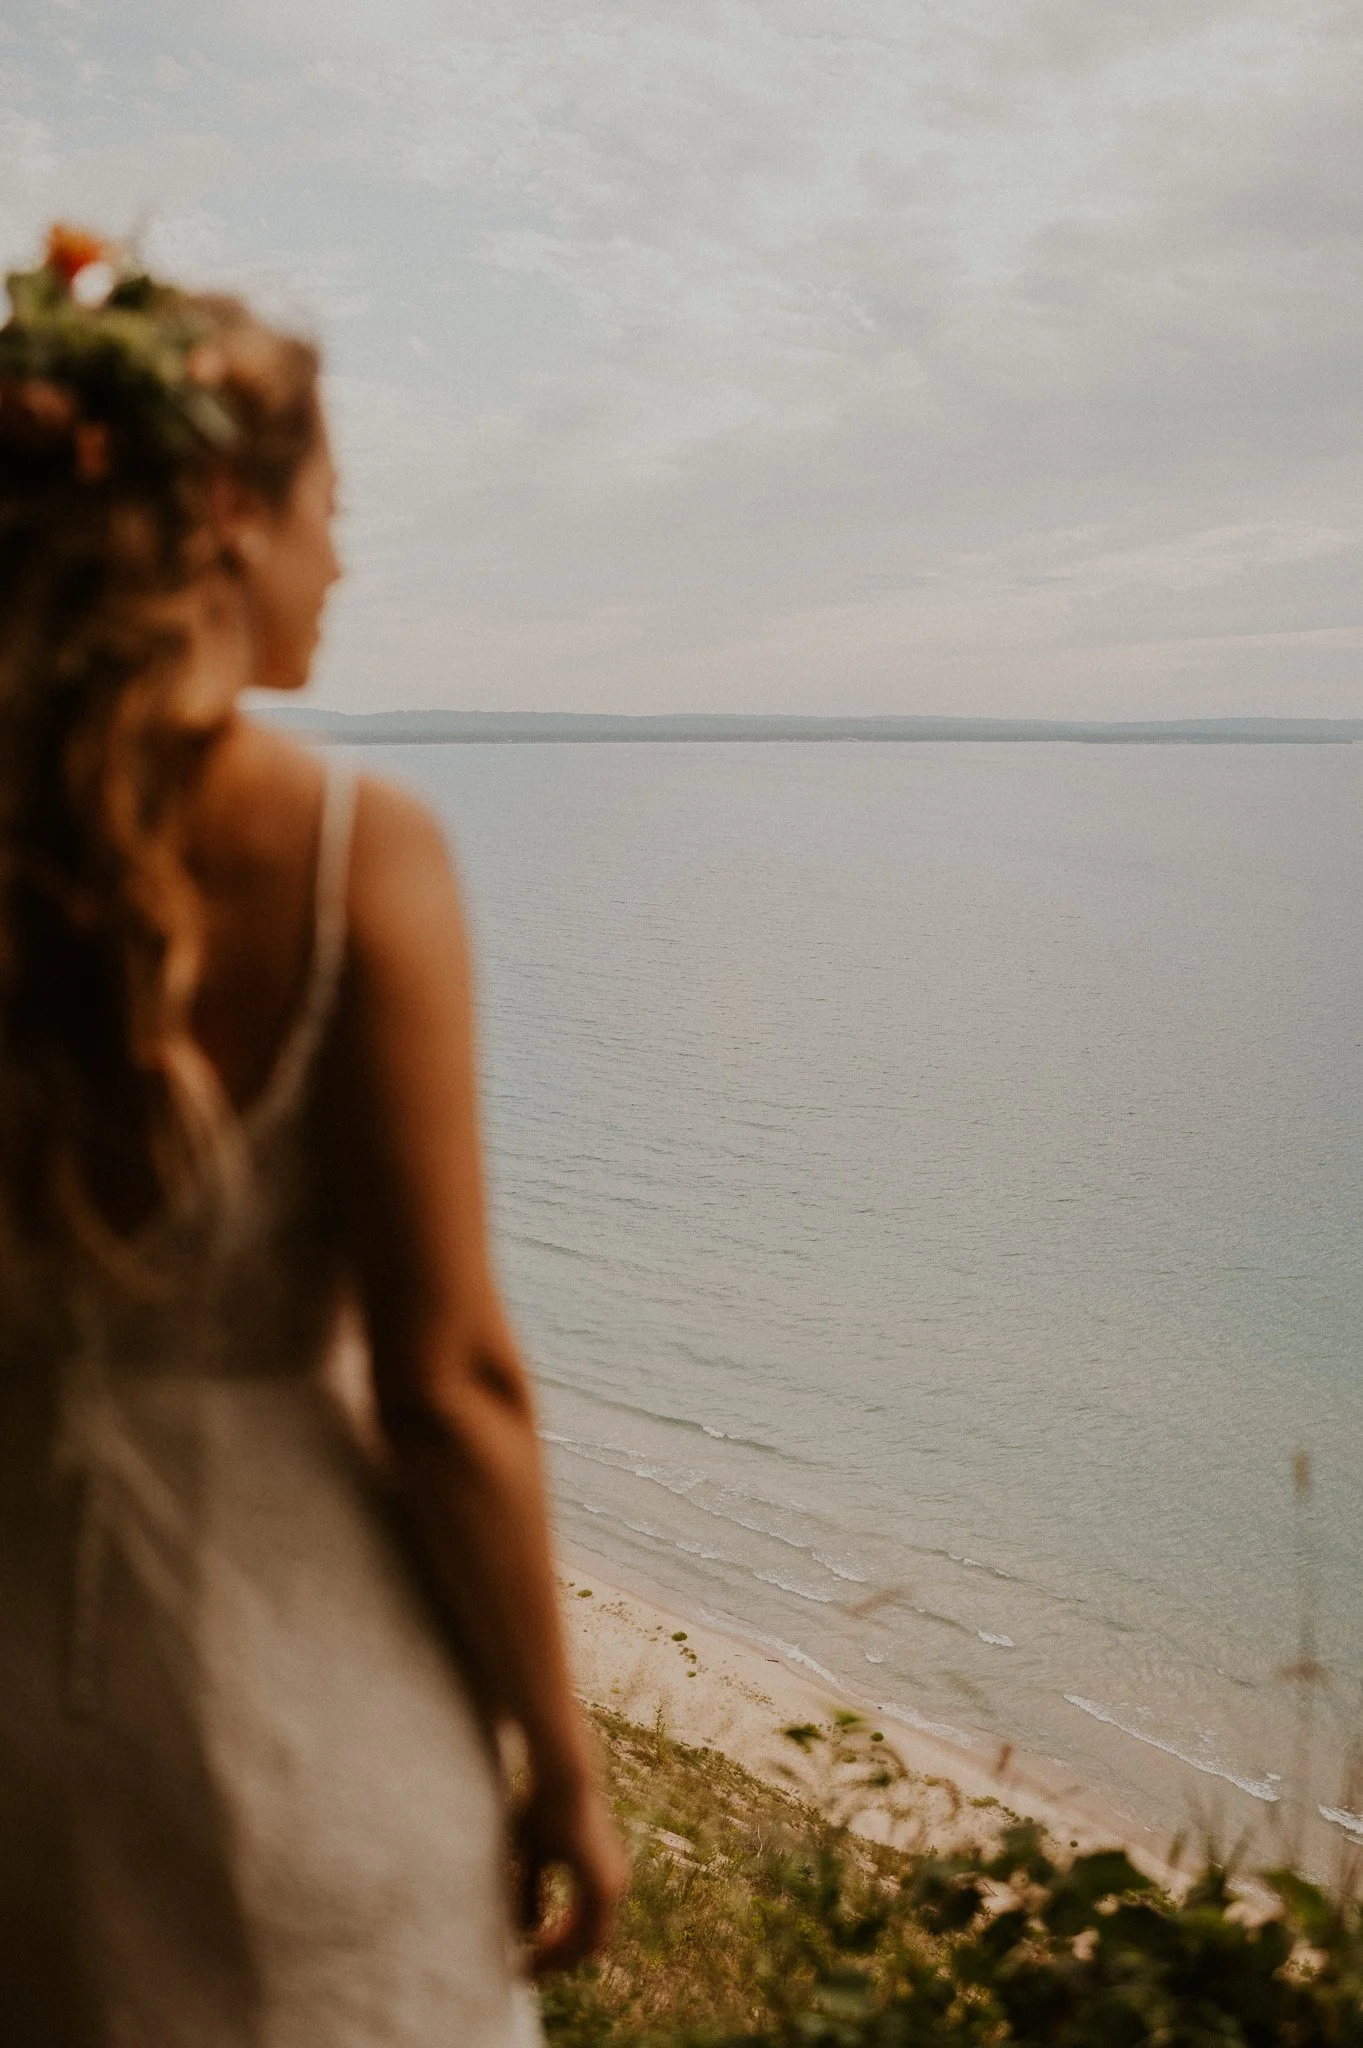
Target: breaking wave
{"x":1257,"y":1788}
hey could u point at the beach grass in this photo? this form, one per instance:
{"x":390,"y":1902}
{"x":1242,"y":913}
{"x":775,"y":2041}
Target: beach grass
{"x":763,"y":1915}
{"x":719,"y":1858}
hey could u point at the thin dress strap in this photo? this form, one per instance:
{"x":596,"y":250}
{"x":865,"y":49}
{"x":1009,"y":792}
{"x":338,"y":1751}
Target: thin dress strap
{"x":331,"y":891}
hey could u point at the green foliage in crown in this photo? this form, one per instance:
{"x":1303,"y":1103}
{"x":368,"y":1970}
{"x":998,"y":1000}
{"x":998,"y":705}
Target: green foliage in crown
{"x":131,"y":351}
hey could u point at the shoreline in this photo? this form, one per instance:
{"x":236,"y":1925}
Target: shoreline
{"x":712,"y":1687}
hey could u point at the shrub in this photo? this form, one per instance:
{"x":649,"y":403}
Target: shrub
{"x":760,"y":1917}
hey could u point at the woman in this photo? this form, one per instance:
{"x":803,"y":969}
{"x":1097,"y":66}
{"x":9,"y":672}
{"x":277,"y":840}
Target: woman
{"x":249,"y":1672}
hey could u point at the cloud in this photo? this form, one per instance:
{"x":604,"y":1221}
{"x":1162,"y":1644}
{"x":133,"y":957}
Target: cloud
{"x":889,"y":355}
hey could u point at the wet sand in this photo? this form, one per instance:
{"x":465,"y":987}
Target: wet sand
{"x":711,"y":1689}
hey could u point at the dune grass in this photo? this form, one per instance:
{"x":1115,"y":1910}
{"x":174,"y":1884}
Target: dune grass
{"x":761,"y":1916}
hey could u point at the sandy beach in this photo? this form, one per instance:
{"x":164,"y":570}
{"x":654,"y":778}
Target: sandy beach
{"x":712,"y":1689}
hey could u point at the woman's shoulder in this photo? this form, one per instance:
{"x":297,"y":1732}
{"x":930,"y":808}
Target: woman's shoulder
{"x":257,"y":848}
{"x":401,"y":895}
{"x":404,"y":900}
{"x":262,"y":793}
{"x":256,"y":802}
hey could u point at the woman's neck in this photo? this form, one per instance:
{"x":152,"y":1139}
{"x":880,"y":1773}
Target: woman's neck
{"x":219,"y":658}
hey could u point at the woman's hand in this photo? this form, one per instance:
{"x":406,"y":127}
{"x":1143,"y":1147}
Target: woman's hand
{"x":567,"y":1825}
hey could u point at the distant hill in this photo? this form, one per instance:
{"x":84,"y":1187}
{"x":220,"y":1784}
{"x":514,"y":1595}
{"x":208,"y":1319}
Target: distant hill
{"x":453,"y":728}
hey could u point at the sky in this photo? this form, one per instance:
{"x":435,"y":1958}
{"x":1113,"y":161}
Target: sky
{"x":947,"y":356}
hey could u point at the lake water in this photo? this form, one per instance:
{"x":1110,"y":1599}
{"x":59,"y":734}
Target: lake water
{"x":936,"y":1172}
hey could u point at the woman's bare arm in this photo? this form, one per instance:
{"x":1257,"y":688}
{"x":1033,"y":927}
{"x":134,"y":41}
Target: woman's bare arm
{"x":453,"y":1397}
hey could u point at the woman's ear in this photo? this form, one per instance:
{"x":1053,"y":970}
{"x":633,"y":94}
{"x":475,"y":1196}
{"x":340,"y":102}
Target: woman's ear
{"x":251,"y":541}
{"x":239,"y":521}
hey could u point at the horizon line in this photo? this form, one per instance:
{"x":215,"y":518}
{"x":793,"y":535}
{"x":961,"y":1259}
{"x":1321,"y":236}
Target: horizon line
{"x":436,"y":725}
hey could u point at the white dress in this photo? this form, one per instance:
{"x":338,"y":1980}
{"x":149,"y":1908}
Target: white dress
{"x":244,"y":1798}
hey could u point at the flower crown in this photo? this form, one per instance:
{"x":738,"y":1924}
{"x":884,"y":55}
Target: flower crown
{"x":92,"y":334}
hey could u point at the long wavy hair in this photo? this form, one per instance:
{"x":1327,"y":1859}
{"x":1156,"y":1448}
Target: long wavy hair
{"x":121,"y":407}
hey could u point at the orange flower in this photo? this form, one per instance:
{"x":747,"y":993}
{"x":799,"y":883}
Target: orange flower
{"x":70,"y":249}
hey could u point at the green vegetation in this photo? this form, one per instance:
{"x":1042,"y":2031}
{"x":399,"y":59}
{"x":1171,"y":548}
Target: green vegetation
{"x":760,"y":1916}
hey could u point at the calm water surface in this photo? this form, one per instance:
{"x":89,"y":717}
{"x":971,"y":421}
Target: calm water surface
{"x":936,"y":1171}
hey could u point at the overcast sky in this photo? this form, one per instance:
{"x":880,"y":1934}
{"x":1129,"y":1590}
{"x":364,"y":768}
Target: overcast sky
{"x":874,"y":355}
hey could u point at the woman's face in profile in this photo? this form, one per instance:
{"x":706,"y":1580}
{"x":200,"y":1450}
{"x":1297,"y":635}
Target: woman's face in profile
{"x":290,"y":564}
